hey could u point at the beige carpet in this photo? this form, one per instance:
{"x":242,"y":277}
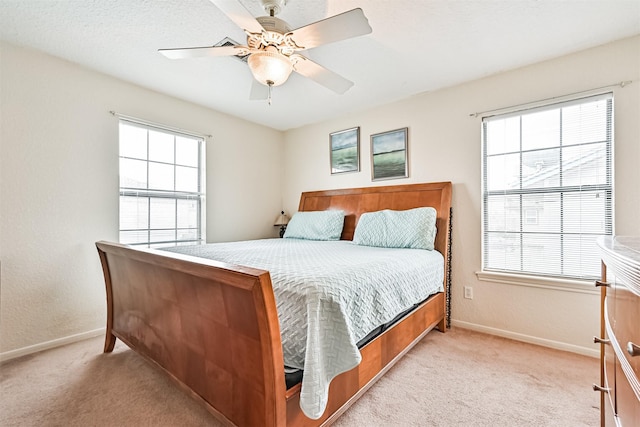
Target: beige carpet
{"x":460,"y":378}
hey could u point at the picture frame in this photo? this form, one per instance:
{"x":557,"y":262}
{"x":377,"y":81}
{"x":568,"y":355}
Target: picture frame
{"x":390,"y":155}
{"x":344,"y":151}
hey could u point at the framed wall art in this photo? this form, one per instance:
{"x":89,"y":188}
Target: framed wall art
{"x":389,"y":155}
{"x":344,"y":148}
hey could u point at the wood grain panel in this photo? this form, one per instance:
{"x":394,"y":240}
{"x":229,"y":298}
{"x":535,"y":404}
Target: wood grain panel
{"x":627,"y":404}
{"x":627,"y":326}
{"x":226,"y":354}
{"x":626,"y":314}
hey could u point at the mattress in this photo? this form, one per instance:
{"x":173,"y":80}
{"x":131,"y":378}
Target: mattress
{"x":293,"y":376}
{"x":330,"y":295}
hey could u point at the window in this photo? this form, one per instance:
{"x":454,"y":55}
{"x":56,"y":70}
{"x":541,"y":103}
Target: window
{"x":161,"y":186}
{"x":547,"y":188}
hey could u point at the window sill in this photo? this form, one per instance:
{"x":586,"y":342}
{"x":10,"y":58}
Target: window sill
{"x":557,"y":284}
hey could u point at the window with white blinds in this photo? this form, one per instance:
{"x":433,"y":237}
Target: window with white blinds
{"x":161,"y":186}
{"x":547,"y":188}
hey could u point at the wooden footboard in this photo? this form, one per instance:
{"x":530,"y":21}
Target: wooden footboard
{"x":212,"y":327}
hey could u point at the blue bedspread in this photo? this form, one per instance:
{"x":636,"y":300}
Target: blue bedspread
{"x":329,"y":296}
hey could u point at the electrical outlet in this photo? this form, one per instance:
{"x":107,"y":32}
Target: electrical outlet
{"x":468,"y":292}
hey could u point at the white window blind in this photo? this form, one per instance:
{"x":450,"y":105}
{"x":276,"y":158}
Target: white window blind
{"x":161,"y":186}
{"x":547,"y":188}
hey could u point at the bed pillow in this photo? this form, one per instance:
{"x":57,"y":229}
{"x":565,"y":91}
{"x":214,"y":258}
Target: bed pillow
{"x":315,"y":225}
{"x":413,"y":228}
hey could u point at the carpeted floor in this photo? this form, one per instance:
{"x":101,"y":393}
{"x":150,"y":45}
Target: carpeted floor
{"x":460,"y":378}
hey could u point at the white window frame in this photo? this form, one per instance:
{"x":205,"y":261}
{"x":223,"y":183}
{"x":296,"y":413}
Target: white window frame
{"x":539,"y":279}
{"x":159,"y":194}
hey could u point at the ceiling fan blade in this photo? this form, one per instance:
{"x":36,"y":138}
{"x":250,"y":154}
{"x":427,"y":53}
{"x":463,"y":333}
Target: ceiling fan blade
{"x":201,"y":52}
{"x":321,"y":75}
{"x":239,"y":15}
{"x":259,"y":92}
{"x":339,"y":27}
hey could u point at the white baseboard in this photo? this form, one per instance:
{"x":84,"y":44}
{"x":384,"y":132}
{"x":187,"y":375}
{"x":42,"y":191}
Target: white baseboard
{"x":8,"y":355}
{"x":586,"y":351}
{"x":12,"y":354}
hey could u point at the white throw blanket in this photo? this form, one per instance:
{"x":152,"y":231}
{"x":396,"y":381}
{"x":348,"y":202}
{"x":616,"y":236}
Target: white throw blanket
{"x":329,"y":296}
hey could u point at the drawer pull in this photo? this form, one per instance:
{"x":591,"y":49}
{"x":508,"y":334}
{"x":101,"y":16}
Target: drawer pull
{"x":633,"y":349}
{"x":600,"y":283}
{"x":602,"y":389}
{"x":598,"y":340}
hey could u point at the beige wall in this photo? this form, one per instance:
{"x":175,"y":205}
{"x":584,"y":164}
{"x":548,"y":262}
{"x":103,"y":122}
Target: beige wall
{"x":444,"y":145}
{"x":59,"y":185}
{"x":59,"y":188}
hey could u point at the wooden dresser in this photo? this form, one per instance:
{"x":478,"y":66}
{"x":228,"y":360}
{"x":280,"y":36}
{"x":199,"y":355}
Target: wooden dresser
{"x":620,"y":331}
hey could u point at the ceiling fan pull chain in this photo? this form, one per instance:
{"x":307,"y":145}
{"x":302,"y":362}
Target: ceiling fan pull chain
{"x":269,"y":86}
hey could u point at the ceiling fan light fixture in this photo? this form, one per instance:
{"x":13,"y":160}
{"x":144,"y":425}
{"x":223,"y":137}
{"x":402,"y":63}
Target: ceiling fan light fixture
{"x":270,"y":68}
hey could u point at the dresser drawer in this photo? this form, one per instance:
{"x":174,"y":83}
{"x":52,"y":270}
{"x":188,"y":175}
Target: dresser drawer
{"x":627,"y":405}
{"x":608,"y":402}
{"x":626,"y":326}
{"x":608,"y":415}
{"x":627,"y":368}
{"x":620,"y":376}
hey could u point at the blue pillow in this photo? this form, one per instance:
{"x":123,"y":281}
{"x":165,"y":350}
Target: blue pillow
{"x":315,"y":225}
{"x":413,"y":228}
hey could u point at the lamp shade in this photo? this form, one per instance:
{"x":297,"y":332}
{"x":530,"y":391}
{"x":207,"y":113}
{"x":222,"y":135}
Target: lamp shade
{"x":270,"y":67}
{"x":282,"y":219}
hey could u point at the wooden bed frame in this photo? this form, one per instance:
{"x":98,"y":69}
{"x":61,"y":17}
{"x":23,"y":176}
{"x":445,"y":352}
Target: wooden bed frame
{"x":213,"y":327}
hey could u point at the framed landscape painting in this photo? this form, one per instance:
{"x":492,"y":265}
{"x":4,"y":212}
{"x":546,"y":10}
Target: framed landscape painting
{"x":345,"y":150}
{"x":389,"y":155}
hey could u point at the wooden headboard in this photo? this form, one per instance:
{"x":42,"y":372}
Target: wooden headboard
{"x":355,"y":201}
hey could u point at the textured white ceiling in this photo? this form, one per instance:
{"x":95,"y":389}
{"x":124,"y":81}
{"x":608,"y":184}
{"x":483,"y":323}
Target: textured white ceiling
{"x":416,"y":46}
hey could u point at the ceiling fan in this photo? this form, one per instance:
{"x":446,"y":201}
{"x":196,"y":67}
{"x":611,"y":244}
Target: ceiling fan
{"x":272,"y":47}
